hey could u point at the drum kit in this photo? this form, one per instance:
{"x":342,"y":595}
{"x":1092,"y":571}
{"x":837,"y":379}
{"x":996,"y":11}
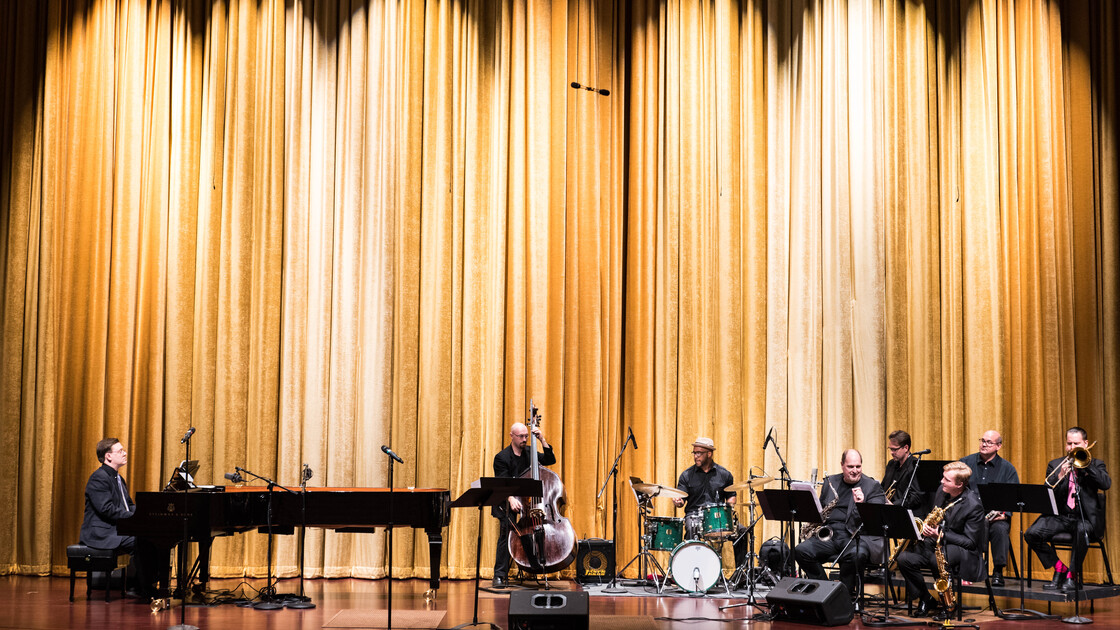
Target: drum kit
{"x":694,"y":542}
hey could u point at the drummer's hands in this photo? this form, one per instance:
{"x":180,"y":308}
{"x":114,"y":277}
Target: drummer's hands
{"x":678,"y":502}
{"x":515,"y":505}
{"x":857,"y":495}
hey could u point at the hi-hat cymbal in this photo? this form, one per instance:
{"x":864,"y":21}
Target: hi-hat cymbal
{"x":658,"y":490}
{"x":757,"y":482}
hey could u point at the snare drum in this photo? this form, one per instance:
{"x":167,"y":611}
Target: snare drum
{"x":694,"y":566}
{"x":664,"y":532}
{"x":717,"y":521}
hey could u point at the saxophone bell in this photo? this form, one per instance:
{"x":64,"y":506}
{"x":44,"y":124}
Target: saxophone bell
{"x":825,"y":533}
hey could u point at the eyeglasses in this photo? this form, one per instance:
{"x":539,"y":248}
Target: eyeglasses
{"x":895,"y":448}
{"x":984,"y":442}
{"x":699,"y":452}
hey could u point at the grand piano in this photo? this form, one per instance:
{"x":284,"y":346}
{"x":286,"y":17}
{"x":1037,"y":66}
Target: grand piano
{"x":227,"y":510}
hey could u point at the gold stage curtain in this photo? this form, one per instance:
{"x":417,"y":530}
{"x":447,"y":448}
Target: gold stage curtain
{"x":311,"y":228}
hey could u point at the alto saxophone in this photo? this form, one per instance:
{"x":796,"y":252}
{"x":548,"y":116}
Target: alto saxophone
{"x":933,"y":519}
{"x":943,"y":585}
{"x":808,"y":530}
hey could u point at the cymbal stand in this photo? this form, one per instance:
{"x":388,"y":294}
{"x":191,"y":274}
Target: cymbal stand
{"x":644,"y":508}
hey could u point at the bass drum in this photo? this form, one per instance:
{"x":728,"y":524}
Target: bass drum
{"x":695,"y":567}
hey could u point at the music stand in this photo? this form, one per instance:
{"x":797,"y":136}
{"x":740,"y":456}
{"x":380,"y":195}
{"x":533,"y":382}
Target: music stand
{"x":790,"y":505}
{"x":929,"y":473}
{"x":888,"y":521}
{"x":178,"y":480}
{"x":491,"y":491}
{"x":1019,"y":497}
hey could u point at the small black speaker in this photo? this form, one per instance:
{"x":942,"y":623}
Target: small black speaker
{"x":817,"y":602}
{"x":594,"y":561}
{"x":548,"y":610}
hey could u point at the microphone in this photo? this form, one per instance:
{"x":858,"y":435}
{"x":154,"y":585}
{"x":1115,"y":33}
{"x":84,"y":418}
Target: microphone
{"x":923,"y":452}
{"x":631,"y":438}
{"x":186,"y":437}
{"x":769,"y":438}
{"x":306,"y":473}
{"x":388,"y":451}
{"x":234,"y":477}
{"x":813,"y":477}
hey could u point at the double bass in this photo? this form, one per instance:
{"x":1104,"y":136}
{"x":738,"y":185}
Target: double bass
{"x":542,"y":540}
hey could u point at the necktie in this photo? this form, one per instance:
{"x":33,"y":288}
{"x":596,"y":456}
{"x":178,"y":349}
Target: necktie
{"x":1070,"y":503}
{"x":124,"y":495}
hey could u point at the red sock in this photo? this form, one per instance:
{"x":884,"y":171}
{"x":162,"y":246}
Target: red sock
{"x":1061,"y":568}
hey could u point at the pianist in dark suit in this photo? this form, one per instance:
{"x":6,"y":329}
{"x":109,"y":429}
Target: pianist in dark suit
{"x":512,"y":461}
{"x":107,"y":502}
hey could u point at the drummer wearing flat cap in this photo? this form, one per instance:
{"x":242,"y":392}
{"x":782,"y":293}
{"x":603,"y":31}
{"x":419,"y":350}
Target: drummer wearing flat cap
{"x":705,"y":480}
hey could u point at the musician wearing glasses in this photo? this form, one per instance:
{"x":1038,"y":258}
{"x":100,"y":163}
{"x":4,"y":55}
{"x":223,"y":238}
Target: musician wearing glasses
{"x":513,"y":461}
{"x":839,"y":496}
{"x":958,"y":527}
{"x":1076,"y":479}
{"x":988,"y":467}
{"x":705,"y":482}
{"x":899,"y":474}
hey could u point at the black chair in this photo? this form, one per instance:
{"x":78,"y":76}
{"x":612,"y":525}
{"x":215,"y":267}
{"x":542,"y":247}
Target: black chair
{"x":1064,"y":541}
{"x":79,"y":557}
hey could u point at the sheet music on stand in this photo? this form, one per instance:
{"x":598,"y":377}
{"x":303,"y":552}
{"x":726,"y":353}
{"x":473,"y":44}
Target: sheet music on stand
{"x":804,"y":485}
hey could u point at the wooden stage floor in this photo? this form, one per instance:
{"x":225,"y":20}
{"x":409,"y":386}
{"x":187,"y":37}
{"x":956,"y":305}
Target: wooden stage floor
{"x":41,"y":603}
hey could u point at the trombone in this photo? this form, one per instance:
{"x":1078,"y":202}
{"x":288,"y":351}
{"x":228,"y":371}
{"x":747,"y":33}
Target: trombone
{"x":1077,"y":458}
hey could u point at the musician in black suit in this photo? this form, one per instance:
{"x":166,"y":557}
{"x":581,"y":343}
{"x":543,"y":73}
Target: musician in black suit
{"x":513,"y":461}
{"x":988,"y":467}
{"x":107,"y":502}
{"x":898,"y":477}
{"x":849,"y":488}
{"x":1078,"y":506}
{"x":961,"y":533}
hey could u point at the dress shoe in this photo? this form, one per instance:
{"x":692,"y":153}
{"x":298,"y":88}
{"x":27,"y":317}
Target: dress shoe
{"x":926,"y":608}
{"x":499,"y":582}
{"x":1055,"y":582}
{"x":1069,"y":585}
{"x":997,"y":577}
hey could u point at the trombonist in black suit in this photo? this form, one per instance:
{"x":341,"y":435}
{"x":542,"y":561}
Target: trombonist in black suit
{"x":961,"y":533}
{"x":848,"y":488}
{"x":1075,"y":490}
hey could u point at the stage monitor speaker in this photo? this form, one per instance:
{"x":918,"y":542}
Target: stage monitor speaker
{"x":817,"y":602}
{"x":548,"y":610}
{"x":594,"y":561}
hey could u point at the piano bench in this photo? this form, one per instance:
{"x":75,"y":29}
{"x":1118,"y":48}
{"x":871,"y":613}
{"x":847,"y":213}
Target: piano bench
{"x":89,"y":559}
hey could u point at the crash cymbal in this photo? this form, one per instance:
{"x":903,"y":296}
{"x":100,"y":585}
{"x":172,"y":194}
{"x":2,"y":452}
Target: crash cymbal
{"x":757,"y":482}
{"x":658,"y":490}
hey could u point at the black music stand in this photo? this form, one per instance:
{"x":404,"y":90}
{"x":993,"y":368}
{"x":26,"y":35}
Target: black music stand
{"x":888,"y":521}
{"x":1019,"y":497}
{"x":790,"y":506}
{"x":929,"y":474}
{"x":492,"y":491}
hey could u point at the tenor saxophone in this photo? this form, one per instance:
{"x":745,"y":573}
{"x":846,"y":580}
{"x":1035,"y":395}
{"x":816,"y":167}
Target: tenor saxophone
{"x":943,"y":585}
{"x":808,"y":530}
{"x":933,"y":519}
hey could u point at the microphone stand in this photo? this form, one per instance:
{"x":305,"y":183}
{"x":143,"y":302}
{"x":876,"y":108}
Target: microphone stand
{"x":910,"y":481}
{"x":268,"y":594}
{"x":786,"y":481}
{"x":302,"y":601}
{"x":614,"y":588}
{"x":184,"y":544}
{"x":389,"y":573}
{"x":1077,"y":618}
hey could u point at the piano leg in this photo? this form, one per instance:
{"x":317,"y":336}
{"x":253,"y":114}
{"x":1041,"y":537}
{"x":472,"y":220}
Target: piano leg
{"x":435,"y":549}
